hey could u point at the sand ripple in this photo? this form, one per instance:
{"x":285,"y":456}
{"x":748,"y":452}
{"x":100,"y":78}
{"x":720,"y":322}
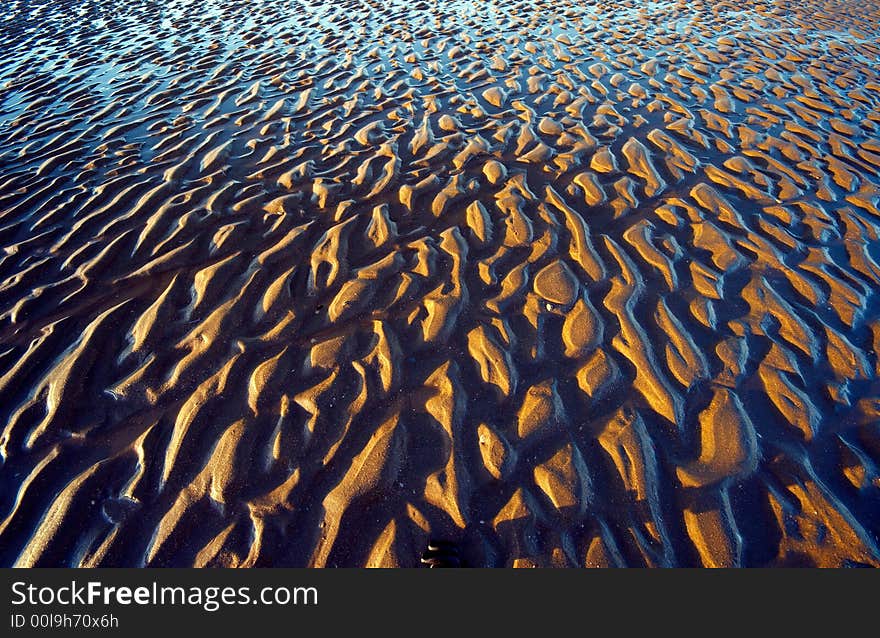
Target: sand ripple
{"x":565,"y":283}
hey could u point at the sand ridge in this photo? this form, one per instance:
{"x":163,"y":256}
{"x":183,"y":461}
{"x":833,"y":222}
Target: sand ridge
{"x":567,"y":284}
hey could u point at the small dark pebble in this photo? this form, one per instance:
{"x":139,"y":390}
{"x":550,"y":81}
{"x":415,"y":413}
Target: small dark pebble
{"x":441,"y":554}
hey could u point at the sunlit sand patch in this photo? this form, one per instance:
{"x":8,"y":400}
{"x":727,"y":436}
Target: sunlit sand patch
{"x":561,"y":283}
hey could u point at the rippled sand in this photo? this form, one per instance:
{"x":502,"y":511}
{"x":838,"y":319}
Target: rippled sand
{"x":561,"y":283}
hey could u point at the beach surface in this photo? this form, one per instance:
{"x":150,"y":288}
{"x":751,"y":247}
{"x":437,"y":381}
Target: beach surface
{"x":553,"y":283}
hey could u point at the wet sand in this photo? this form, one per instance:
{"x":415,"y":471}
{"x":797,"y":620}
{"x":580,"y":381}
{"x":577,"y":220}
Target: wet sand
{"x":558,"y":283}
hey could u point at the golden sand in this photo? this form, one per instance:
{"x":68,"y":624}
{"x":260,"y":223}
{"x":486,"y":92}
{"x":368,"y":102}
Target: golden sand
{"x":563,"y":283}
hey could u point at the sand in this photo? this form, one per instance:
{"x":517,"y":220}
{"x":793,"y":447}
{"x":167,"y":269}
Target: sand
{"x":536,"y":283}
